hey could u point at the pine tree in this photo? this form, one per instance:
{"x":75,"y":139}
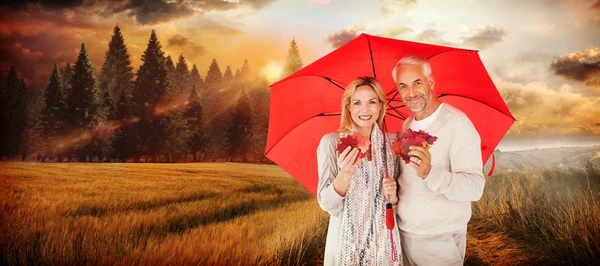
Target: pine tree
{"x":239,"y":135}
{"x":193,"y":114}
{"x":33,"y":129}
{"x":213,"y":76}
{"x":117,"y":72}
{"x":228,"y":75}
{"x":84,"y":101}
{"x":108,"y":109}
{"x":125,"y":139}
{"x":195,"y":78}
{"x":174,"y":144}
{"x":66,"y":73}
{"x":181,"y":77}
{"x":54,"y":115}
{"x":151,"y":84}
{"x":13,"y":116}
{"x":150,"y":91}
{"x":245,"y":71}
{"x":23,"y":107}
{"x":259,"y":97}
{"x":238,"y":74}
{"x":294,"y":61}
{"x":3,"y":116}
{"x":170,"y":65}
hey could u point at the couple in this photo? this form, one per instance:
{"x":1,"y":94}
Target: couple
{"x":433,"y":193}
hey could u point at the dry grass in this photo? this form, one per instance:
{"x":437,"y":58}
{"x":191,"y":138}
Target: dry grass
{"x":551,"y":216}
{"x":156,"y":214}
{"x":241,"y":214}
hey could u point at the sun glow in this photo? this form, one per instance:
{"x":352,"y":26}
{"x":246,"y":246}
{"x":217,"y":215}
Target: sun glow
{"x":272,"y":71}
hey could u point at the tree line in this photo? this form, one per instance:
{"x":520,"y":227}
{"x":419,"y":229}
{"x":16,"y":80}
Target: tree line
{"x":165,"y":112}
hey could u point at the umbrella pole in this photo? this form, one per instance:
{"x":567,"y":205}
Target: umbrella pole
{"x":389,"y":209}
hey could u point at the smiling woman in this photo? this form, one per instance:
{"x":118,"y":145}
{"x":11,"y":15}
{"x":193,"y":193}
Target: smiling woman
{"x":272,"y":71}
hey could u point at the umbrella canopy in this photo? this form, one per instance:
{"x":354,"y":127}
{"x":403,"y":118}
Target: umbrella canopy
{"x":307,"y":104}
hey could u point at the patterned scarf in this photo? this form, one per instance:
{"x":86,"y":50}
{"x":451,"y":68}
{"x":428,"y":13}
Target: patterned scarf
{"x":364,"y":237}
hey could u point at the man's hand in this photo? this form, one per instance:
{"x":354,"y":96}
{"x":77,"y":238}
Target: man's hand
{"x":420,"y":159}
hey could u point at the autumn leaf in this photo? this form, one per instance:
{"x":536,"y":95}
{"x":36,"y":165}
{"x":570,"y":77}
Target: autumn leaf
{"x":411,"y":138}
{"x":355,"y":140}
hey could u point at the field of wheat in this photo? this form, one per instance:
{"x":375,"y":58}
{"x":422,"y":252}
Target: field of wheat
{"x":245,"y":214}
{"x":156,"y":214}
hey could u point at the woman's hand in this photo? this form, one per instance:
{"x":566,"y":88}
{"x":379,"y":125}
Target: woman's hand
{"x":347,"y":163}
{"x":389,"y":190}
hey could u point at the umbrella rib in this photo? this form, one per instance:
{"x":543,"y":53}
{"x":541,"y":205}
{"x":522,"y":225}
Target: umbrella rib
{"x":321,"y":114}
{"x":459,"y":49}
{"x":371,"y":56}
{"x":394,"y":109}
{"x":396,"y":94}
{"x":329,"y":79}
{"x":324,"y":114}
{"x":449,"y":94}
{"x":403,"y":118}
{"x":300,"y":76}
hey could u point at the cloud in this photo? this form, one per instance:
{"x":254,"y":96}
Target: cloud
{"x":155,"y":11}
{"x":187,"y":46}
{"x":145,"y":12}
{"x":257,"y":4}
{"x":33,"y":57}
{"x":342,"y":37}
{"x":47,"y":4}
{"x":177,"y":40}
{"x":215,"y":5}
{"x":397,"y":31}
{"x":579,"y":66}
{"x":392,"y":7}
{"x":524,"y":68}
{"x":484,"y":36}
{"x":433,"y":36}
{"x":481,"y":37}
{"x":544,"y":111}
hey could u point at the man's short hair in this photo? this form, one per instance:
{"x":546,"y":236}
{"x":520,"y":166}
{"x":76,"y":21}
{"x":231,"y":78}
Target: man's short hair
{"x":414,"y":60}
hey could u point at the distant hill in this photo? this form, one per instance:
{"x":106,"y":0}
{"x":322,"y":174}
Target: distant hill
{"x":543,"y":158}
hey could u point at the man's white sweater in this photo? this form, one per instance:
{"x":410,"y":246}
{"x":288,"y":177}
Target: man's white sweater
{"x":441,"y":203}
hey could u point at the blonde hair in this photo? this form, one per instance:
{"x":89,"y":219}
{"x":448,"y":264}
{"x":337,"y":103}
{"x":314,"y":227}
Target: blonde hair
{"x":346,"y":122}
{"x":414,"y":60}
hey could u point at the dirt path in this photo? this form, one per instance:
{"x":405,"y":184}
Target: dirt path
{"x":485,"y":247}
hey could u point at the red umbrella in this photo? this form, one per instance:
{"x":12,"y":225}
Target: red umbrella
{"x":306,"y":105}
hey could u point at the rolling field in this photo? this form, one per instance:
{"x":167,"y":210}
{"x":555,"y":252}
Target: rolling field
{"x":156,"y":214}
{"x":245,"y":214}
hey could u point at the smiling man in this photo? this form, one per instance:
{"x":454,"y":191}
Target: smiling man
{"x":438,"y":185}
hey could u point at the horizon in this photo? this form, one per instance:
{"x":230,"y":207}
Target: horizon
{"x":548,"y":88}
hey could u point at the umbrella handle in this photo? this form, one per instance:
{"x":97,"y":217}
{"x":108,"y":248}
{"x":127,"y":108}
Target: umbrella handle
{"x":390,"y":220}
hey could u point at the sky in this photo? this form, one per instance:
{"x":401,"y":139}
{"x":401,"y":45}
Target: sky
{"x":543,"y":55}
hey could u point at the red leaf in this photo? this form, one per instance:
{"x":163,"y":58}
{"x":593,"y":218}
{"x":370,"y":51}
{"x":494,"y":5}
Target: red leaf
{"x":355,"y":140}
{"x":411,"y":138}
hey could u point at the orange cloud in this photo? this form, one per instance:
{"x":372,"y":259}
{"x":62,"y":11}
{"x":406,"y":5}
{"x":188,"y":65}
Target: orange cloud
{"x":579,"y":66}
{"x":342,"y":37}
